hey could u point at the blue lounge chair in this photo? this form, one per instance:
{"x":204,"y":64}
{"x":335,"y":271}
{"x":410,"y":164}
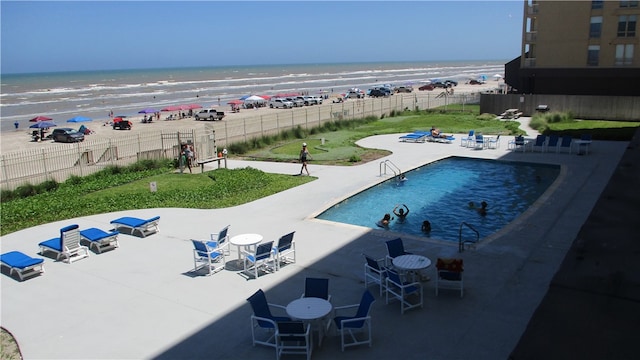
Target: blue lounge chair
{"x":67,"y":245}
{"x":100,"y":239}
{"x":22,"y":264}
{"x":416,"y":136}
{"x":144,"y":227}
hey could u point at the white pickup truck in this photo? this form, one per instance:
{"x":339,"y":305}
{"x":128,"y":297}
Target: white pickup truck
{"x":210,"y":114}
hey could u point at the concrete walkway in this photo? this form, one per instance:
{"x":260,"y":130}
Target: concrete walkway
{"x":142,"y":301}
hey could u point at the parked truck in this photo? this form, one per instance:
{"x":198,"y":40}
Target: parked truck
{"x":210,"y":114}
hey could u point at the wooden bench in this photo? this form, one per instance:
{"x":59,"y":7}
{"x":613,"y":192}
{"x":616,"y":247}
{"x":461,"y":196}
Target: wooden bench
{"x":206,"y":161}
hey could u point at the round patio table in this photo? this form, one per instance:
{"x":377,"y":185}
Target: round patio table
{"x":246,"y":240}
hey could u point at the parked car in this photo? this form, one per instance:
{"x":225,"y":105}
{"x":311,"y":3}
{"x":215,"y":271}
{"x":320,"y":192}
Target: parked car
{"x":337,"y":100}
{"x":318,"y":99}
{"x":209,"y":114}
{"x":120,"y":123}
{"x":440,"y":84}
{"x":67,"y":135}
{"x":280,"y":103}
{"x":476,"y":82}
{"x":353,"y":95}
{"x":451,"y":83}
{"x":404,"y":89}
{"x":296,"y":102}
{"x":310,"y":100}
{"x":427,"y":87}
{"x":378,"y":93}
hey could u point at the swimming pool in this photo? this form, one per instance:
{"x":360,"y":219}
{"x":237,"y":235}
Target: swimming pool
{"x":440,"y":192}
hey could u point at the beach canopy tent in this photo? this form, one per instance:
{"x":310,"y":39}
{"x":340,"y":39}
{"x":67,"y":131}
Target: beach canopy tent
{"x":40,"y":118}
{"x":266,"y":97}
{"x":43,"y":125}
{"x":78,"y":119}
{"x":190,"y":106}
{"x":285,"y":95}
{"x":148,"y":111}
{"x":254,"y":98}
{"x":245,"y":97}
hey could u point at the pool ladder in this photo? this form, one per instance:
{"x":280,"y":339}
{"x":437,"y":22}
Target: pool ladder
{"x":462,"y":243}
{"x":388,"y":164}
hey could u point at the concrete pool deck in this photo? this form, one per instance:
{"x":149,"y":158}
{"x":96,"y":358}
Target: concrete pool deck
{"x":142,"y":301}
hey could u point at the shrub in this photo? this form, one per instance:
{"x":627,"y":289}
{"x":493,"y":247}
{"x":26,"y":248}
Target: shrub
{"x":485,"y":117}
{"x":7,"y":195}
{"x":49,"y":185}
{"x":355,"y":158}
{"x":74,"y":180}
{"x":26,"y":190}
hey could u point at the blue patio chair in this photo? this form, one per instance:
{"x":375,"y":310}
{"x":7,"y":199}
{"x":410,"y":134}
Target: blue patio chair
{"x":480,"y":143}
{"x":554,"y":141}
{"x":211,"y":259}
{"x":395,"y":248}
{"x":294,"y":338}
{"x":264,"y":320}
{"x":220,"y":240}
{"x":494,"y":142}
{"x":285,"y":250}
{"x":565,"y":143}
{"x":402,"y":291}
{"x":67,"y":246}
{"x":259,"y":259}
{"x":540,"y":143}
{"x":374,"y":272}
{"x":22,"y":264}
{"x":355,"y":330}
{"x":464,"y":141}
{"x":449,"y":275}
{"x":518,"y":142}
{"x":316,"y":287}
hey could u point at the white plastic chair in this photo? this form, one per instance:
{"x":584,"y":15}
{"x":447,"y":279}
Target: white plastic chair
{"x":402,"y":291}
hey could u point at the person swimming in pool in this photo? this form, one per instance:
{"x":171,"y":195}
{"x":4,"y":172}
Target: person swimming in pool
{"x":384,"y":222}
{"x":426,"y":226}
{"x":400,"y":212}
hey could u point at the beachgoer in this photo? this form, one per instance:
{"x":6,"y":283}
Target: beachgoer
{"x":188,"y":155}
{"x":426,"y":226}
{"x":16,"y":124}
{"x":304,"y":157}
{"x":384,"y":222}
{"x":483,"y":208}
{"x":402,"y":178}
{"x":401,"y":213}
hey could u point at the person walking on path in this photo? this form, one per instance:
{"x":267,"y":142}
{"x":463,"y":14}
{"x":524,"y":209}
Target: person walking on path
{"x":304,"y":157}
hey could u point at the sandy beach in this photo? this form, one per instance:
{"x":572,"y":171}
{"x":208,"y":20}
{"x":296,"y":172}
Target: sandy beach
{"x":20,"y":139}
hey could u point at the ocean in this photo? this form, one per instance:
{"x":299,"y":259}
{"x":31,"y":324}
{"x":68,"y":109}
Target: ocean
{"x":95,"y":94}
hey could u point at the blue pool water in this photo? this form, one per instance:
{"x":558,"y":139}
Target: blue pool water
{"x":441,"y":191}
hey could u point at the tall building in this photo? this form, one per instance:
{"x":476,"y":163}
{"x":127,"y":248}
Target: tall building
{"x":578,"y":48}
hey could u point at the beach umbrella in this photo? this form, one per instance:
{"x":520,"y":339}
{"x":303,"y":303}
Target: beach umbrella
{"x":193,"y":106}
{"x":78,"y":119}
{"x":43,"y":125}
{"x":171,"y":108}
{"x":245,"y":97}
{"x":235,"y":102}
{"x":40,"y":118}
{"x":148,"y":111}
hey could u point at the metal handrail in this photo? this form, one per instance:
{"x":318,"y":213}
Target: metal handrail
{"x":391,"y":165}
{"x":460,"y":242}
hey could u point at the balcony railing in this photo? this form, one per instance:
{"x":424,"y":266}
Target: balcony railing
{"x":530,"y":62}
{"x":532,"y":9}
{"x":531,"y":37}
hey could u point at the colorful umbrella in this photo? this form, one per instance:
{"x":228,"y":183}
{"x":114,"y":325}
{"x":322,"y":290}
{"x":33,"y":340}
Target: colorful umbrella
{"x":43,"y":125}
{"x":78,"y":119}
{"x":40,"y":118}
{"x":147,"y":111}
{"x":236,"y":102}
{"x":172,"y":108}
{"x":191,"y":106}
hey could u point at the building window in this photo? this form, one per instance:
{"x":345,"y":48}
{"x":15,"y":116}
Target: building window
{"x":593,"y":54}
{"x":595,"y":28}
{"x":624,"y":54}
{"x":596,"y":4}
{"x":628,"y":4}
{"x":627,"y":26}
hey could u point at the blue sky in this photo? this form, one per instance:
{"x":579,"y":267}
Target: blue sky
{"x":47,"y":36}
